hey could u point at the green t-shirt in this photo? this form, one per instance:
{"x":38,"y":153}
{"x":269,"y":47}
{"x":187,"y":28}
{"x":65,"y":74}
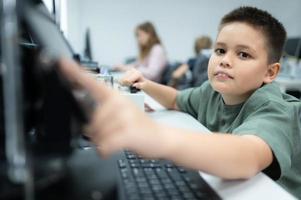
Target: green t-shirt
{"x":268,"y":114}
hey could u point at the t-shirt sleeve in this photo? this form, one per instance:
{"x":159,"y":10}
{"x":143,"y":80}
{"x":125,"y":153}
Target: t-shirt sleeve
{"x":273,"y":123}
{"x":189,"y":100}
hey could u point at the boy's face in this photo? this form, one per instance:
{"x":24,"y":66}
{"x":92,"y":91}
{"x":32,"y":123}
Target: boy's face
{"x":239,"y":63}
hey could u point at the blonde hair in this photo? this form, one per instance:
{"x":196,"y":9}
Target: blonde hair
{"x":148,"y":28}
{"x":203,"y":42}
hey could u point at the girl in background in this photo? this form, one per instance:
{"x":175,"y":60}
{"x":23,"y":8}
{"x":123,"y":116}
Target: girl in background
{"x":152,"y":58}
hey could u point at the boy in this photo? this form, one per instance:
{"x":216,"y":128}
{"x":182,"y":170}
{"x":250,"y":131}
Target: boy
{"x":257,"y":127}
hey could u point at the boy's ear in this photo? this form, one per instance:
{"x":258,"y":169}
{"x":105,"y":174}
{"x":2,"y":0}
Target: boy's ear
{"x":272,"y":72}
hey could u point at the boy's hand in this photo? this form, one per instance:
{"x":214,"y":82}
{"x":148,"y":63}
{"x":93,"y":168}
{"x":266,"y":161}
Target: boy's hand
{"x":117,"y":123}
{"x":134,"y":78}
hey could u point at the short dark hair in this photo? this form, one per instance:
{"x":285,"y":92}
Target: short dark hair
{"x":272,"y":29}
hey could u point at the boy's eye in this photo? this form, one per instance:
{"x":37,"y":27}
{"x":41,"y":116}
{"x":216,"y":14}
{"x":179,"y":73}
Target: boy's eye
{"x":244,"y":55}
{"x":219,"y":51}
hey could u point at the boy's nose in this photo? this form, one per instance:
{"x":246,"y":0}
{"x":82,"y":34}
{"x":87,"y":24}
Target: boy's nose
{"x":226,"y":61}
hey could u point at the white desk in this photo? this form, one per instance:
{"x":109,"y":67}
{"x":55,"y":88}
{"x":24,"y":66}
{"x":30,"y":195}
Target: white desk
{"x":258,"y":187}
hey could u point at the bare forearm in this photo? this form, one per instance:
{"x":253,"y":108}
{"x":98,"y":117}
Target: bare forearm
{"x":223,"y":155}
{"x":165,"y":95}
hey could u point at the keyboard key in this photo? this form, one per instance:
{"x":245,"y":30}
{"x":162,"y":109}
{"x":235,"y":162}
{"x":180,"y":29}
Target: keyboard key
{"x":174,"y":175}
{"x":184,"y":189}
{"x":137,"y":173}
{"x":121,"y":163}
{"x":131,"y":157}
{"x":166,"y":181}
{"x":141,"y":179}
{"x":188,"y":195}
{"x":173,"y":192}
{"x":125,"y":173}
{"x":176,"y":197}
{"x":157,"y":187}
{"x":201,"y":195}
{"x":142,"y":185}
{"x":133,"y":196}
{"x":180,"y":183}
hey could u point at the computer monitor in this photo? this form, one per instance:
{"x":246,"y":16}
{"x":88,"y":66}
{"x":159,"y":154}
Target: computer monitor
{"x":88,"y":48}
{"x":60,"y":112}
{"x":292,"y":47}
{"x":47,"y":32}
{"x":51,"y":115}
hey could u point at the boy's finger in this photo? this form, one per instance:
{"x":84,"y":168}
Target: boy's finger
{"x":137,"y":85}
{"x":126,"y":80}
{"x":129,"y":78}
{"x":112,"y":144}
{"x":122,"y":81}
{"x":73,"y":73}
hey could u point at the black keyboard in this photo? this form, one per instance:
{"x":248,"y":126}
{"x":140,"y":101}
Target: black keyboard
{"x":142,"y":179}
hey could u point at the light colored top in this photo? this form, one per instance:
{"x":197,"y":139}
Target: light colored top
{"x":268,"y":114}
{"x":154,"y":64}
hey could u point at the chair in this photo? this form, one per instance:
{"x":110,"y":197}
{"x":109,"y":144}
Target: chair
{"x":166,"y":74}
{"x":197,"y":75}
{"x":199,"y":72}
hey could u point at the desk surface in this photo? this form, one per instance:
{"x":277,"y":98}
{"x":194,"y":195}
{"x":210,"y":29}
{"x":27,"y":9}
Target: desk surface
{"x":258,"y":187}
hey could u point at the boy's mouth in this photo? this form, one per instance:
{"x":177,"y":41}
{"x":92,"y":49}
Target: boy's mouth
{"x":222,"y":75}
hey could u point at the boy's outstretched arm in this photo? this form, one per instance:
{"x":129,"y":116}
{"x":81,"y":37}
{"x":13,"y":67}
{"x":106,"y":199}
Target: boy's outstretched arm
{"x":224,"y":155}
{"x":118,"y":124}
{"x":165,"y":95}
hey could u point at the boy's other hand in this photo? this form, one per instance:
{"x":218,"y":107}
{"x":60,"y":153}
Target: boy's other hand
{"x":134,"y":78}
{"x":116,"y":123}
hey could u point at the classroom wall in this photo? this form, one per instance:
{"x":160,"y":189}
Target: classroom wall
{"x":178,"y":22}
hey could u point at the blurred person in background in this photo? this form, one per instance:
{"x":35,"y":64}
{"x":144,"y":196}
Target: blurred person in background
{"x":152,"y":58}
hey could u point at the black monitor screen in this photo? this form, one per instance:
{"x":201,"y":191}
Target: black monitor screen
{"x":47,"y":32}
{"x":293,"y":47}
{"x":50,"y":108}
